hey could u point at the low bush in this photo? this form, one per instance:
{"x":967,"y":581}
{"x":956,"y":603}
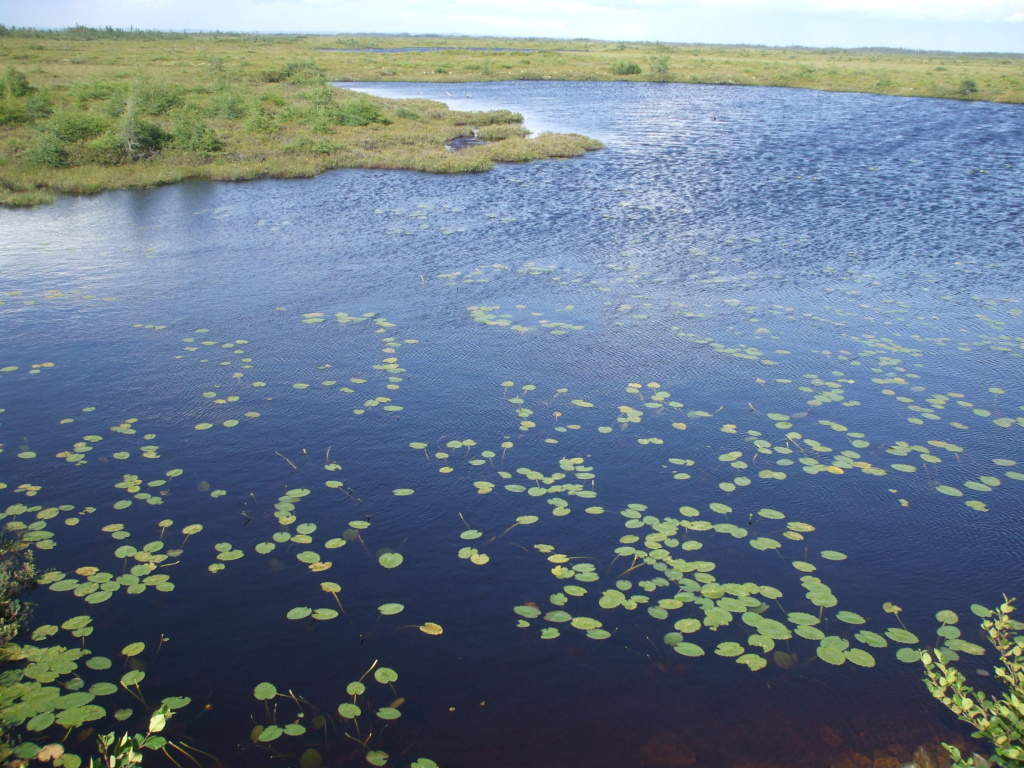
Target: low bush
{"x":968,"y":88}
{"x":626,"y":68}
{"x":14,"y":84}
{"x":193,"y":134}
{"x":659,"y":67}
{"x":70,"y":126}
{"x":229,"y":104}
{"x":359,"y":111}
{"x":262,"y":123}
{"x":48,"y":150}
{"x":130,"y":139}
{"x":294,"y":72}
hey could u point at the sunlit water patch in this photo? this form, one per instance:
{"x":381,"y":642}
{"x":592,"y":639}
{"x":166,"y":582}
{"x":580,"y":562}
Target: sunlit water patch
{"x":667,"y":455}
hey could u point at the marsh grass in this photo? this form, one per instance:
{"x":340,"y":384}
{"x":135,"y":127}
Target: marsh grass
{"x":83,"y":110}
{"x":998,"y":77}
{"x":76,"y":119}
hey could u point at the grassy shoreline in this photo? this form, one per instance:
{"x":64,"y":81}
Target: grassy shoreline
{"x":84,"y":110}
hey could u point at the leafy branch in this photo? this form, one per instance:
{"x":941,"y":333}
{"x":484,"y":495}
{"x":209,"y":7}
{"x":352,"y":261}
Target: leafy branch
{"x":998,"y":720}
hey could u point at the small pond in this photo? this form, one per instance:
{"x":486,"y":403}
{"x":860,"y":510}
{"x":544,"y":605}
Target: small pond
{"x":663,"y":456}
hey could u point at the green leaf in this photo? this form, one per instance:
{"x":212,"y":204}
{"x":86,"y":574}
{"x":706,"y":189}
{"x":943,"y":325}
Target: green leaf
{"x":271,"y":732}
{"x":860,"y":657}
{"x":132,"y":677}
{"x":688,"y":649}
{"x":908,"y":655}
{"x":850,"y":617}
{"x":349,"y":710}
{"x":900,"y":635}
{"x":265,"y":691}
{"x":871,"y":638}
{"x":134,"y":649}
{"x":729,"y":649}
{"x":391,"y":559}
{"x":831,"y":654}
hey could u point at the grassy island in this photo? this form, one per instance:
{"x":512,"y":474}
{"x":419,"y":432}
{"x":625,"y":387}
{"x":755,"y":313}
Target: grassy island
{"x":84,"y":110}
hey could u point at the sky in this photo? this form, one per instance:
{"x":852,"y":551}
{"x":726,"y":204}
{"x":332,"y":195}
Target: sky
{"x":951,"y":25}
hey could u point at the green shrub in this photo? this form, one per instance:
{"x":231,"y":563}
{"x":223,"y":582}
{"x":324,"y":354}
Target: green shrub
{"x":38,"y":104}
{"x":967,"y":88}
{"x":140,"y":138}
{"x":408,"y":114}
{"x":626,"y":68}
{"x":14,"y":95}
{"x":294,"y":72}
{"x":93,"y":90}
{"x":70,"y":126}
{"x":193,"y":134}
{"x":359,"y":111}
{"x":229,"y":104}
{"x":130,"y":139}
{"x":14,"y":84}
{"x":154,"y":98}
{"x":263,"y":123}
{"x":999,"y":720}
{"x":12,"y":111}
{"x":46,"y":149}
{"x":659,"y":67}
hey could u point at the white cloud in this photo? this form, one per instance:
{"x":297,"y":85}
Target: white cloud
{"x":1018,"y":16}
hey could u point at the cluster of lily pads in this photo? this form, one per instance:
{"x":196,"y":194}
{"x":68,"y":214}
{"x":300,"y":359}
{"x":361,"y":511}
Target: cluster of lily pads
{"x":679,"y":572}
{"x":48,"y":692}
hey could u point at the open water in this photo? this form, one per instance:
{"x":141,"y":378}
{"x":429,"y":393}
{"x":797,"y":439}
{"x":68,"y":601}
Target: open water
{"x":758,"y":361}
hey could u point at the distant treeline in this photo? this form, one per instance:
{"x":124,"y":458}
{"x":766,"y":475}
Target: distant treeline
{"x":79,"y":32}
{"x":357,"y":39}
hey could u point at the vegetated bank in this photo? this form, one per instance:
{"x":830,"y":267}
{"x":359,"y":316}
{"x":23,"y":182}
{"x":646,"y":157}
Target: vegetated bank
{"x":83,"y":110}
{"x":892,"y":71}
{"x":82,"y":115}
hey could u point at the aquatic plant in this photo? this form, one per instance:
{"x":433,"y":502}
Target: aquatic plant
{"x":998,"y":720}
{"x":17,"y":576}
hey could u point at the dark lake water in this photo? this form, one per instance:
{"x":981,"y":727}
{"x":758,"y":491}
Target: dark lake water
{"x":653,"y":437}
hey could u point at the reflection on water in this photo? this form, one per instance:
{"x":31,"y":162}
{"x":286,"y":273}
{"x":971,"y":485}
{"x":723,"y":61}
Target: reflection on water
{"x":714,"y":394}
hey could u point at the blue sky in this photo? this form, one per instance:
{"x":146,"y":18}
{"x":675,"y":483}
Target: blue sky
{"x":961,"y":25}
